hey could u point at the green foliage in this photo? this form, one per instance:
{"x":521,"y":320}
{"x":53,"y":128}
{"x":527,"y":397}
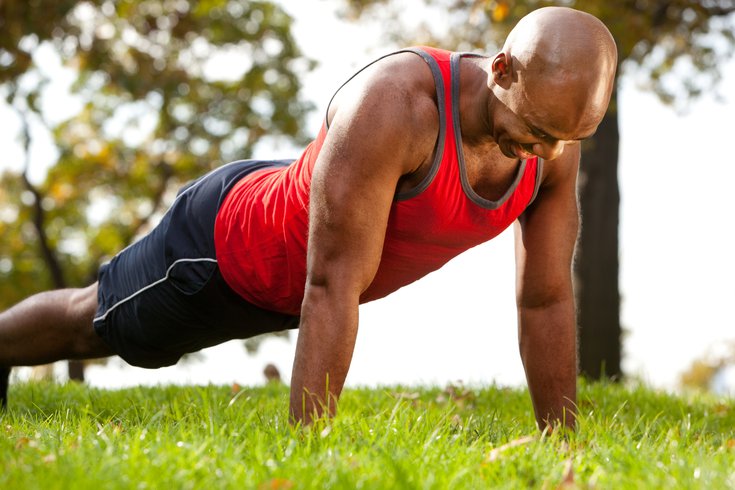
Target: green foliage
{"x":217,"y":437}
{"x":674,"y":46}
{"x":164,"y":90}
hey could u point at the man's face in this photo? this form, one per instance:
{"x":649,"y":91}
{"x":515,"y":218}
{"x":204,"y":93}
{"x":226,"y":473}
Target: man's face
{"x":534,"y":118}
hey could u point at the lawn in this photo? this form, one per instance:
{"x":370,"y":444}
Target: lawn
{"x":72,"y":436}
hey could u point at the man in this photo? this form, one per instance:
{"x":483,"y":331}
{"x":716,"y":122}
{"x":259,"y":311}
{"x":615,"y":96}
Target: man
{"x":423,"y":154}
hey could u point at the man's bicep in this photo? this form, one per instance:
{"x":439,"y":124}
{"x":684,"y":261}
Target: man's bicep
{"x":347,"y":222}
{"x":546,"y":235}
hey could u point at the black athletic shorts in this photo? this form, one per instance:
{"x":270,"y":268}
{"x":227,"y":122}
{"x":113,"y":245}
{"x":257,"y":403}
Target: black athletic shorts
{"x":164,"y":296}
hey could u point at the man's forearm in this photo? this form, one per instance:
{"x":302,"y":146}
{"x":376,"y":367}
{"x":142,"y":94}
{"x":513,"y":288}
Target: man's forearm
{"x":548,"y":345}
{"x":323,"y":354}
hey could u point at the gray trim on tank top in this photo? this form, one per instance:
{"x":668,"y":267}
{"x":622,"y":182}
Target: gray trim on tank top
{"x":468,"y":190}
{"x":440,"y":103}
{"x":440,"y":97}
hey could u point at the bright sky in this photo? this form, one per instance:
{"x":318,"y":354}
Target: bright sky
{"x":677,"y":264}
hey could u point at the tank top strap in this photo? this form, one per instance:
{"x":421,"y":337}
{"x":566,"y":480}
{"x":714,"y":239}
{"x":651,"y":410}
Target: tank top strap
{"x":438,"y":61}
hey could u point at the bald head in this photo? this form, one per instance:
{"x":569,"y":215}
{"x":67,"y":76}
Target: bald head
{"x":555,"y":75}
{"x":564,"y":49}
{"x":561,"y":38}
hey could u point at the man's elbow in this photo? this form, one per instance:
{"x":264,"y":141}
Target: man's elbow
{"x":545,"y":298}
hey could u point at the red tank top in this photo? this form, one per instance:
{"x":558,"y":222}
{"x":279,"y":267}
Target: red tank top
{"x":262,"y":226}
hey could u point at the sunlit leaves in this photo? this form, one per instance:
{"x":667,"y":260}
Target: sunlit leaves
{"x":500,"y":11}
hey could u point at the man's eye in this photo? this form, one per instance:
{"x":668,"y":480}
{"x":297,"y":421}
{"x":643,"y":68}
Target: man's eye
{"x":538,"y":134}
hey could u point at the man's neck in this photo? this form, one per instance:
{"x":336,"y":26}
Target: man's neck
{"x":474,"y":100}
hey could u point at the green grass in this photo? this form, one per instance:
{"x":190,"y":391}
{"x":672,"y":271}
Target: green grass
{"x":72,"y":436}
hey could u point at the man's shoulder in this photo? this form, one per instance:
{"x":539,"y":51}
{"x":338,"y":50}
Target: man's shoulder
{"x":397,"y":90}
{"x":399,"y":78}
{"x":409,"y":71}
{"x":389,"y":111}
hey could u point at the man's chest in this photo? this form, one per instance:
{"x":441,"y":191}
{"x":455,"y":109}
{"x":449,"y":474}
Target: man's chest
{"x":489,"y":172}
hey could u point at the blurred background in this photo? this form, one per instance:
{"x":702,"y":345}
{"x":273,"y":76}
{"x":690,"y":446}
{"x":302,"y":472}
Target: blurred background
{"x":109,"y":106}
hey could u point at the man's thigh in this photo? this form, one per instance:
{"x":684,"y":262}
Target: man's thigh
{"x":159,"y":325}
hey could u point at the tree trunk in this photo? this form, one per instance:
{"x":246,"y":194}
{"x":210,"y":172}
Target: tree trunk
{"x":596,"y":263}
{"x":74,"y":368}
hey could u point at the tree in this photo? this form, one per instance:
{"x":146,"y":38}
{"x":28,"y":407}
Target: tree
{"x":163,"y":90}
{"x":673,"y":46}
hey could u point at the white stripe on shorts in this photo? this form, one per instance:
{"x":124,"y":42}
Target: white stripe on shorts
{"x":168,"y":271}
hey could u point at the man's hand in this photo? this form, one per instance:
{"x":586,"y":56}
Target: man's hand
{"x":547,"y":341}
{"x":323,"y":353}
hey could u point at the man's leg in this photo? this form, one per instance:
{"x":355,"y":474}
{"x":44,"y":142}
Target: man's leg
{"x":49,"y":327}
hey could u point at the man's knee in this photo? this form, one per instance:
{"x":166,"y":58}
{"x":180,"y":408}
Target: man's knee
{"x":87,"y":344}
{"x":82,"y":308}
{"x":82,"y":304}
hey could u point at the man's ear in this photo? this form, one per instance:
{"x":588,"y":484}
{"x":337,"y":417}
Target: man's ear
{"x":501,"y":67}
